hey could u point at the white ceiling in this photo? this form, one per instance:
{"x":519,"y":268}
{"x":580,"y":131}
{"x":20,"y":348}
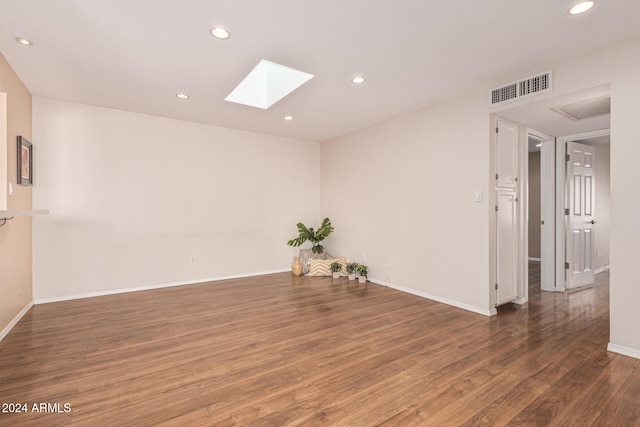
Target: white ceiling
{"x":135,"y":55}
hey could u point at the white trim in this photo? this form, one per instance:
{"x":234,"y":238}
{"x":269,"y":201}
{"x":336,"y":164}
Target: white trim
{"x":151,"y":287}
{"x":15,"y":320}
{"x":600,"y":270}
{"x":625,"y":351}
{"x":447,"y":301}
{"x":544,"y":139}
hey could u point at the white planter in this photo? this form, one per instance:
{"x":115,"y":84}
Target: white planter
{"x":362,"y":279}
{"x":336,"y":275}
{"x":352,"y":277}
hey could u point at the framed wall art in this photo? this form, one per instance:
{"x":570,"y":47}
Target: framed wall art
{"x":25,"y":161}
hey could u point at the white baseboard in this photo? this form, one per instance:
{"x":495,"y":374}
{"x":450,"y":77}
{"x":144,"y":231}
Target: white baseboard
{"x":600,"y":270}
{"x":436,"y":298}
{"x":535,"y":259}
{"x":447,"y":301}
{"x":625,"y":351}
{"x":151,"y":287}
{"x":15,"y":321}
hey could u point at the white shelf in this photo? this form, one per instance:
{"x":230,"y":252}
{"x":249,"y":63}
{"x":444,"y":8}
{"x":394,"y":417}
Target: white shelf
{"x":12,"y":214}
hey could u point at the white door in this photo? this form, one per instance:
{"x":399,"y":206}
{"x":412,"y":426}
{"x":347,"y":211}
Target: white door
{"x":580,"y":219}
{"x":506,"y":209}
{"x":506,"y":247}
{"x":506,"y":155}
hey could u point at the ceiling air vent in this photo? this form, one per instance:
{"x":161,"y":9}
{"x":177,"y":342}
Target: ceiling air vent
{"x":528,"y":86}
{"x":585,"y":109}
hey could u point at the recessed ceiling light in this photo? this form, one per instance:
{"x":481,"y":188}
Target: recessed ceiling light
{"x":288,"y":118}
{"x":358,"y":80}
{"x":182,"y":95}
{"x":23,"y":41}
{"x":220,"y":33}
{"x":581,"y":7}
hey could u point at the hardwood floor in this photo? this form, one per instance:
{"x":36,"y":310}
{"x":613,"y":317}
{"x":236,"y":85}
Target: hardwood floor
{"x":279,"y":350}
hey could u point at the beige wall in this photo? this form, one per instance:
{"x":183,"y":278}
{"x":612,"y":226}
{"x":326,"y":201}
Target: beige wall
{"x":534,"y":205}
{"x":15,"y":236}
{"x":134,"y":197}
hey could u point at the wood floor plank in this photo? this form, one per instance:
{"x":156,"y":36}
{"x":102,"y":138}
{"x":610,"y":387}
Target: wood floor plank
{"x":283,"y":350}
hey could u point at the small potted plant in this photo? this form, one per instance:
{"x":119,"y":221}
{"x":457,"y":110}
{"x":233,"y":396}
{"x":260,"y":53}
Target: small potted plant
{"x":352,"y":269}
{"x":335,"y":269}
{"x":363,"y":271}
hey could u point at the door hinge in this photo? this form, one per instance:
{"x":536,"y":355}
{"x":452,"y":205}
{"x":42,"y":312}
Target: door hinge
{"x":496,"y":176}
{"x":515,"y":179}
{"x":566,"y":265}
{"x":496,"y":286}
{"x":497,"y":129}
{"x":567,"y":157}
{"x":566,"y":211}
{"x":496,"y":208}
{"x":517,"y":199}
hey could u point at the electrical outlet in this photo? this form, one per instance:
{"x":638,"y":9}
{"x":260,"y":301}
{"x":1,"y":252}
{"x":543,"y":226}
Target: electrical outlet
{"x":193,"y":260}
{"x":364,"y":257}
{"x":598,"y":253}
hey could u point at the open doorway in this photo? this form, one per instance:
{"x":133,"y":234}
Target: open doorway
{"x":541,"y":206}
{"x":534,"y":226}
{"x":569,"y":255}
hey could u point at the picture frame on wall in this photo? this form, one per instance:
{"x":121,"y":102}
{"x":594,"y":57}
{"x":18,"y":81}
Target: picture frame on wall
{"x":25,"y":161}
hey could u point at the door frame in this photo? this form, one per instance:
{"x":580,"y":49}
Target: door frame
{"x":561,"y":226}
{"x":547,"y":233}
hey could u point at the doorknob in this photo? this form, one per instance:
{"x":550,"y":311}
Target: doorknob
{"x":591,"y":222}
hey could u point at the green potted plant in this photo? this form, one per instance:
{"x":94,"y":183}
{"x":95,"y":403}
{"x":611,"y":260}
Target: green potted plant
{"x":352,"y":269}
{"x":314,"y":236}
{"x":335,"y":269}
{"x":363,"y":271}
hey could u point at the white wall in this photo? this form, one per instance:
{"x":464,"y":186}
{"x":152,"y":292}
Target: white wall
{"x":625,"y":201}
{"x":416,"y":174}
{"x":134,"y":197}
{"x":402,"y":192}
{"x":618,"y":66}
{"x":129,"y":210}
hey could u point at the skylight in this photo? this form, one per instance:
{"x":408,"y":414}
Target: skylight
{"x":267,"y":84}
